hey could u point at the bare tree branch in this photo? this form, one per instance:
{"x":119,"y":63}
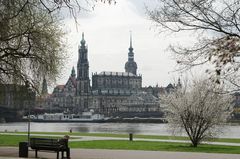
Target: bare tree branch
{"x":217,"y":26}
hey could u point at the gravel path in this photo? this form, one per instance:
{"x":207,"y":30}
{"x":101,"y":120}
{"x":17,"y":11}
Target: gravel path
{"x":12,"y":153}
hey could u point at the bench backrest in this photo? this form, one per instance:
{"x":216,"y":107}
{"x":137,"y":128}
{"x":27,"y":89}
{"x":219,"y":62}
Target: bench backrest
{"x":48,"y":144}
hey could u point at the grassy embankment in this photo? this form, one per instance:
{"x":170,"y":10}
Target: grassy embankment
{"x":155,"y":146}
{"x":13,"y":140}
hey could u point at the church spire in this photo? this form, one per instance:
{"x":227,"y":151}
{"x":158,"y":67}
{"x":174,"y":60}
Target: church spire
{"x":130,"y":48}
{"x":44,"y":87}
{"x":73,"y":74}
{"x":131,"y":65}
{"x":130,"y":53}
{"x":82,"y":66}
{"x":83,"y":40}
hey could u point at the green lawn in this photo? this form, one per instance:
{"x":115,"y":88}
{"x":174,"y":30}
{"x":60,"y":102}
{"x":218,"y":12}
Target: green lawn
{"x":230,"y":140}
{"x":13,"y":140}
{"x":154,"y":146}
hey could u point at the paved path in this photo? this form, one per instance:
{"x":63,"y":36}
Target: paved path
{"x":12,"y":153}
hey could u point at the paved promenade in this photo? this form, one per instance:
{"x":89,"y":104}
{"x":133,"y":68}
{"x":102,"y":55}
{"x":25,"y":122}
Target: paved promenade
{"x":12,"y":153}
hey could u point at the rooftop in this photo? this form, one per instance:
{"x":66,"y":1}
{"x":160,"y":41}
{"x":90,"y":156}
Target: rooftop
{"x":108,"y":73}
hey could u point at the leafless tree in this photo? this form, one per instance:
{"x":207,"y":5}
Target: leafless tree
{"x":198,"y":109}
{"x":216,"y":24}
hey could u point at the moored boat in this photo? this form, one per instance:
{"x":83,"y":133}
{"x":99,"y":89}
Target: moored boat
{"x":65,"y":117}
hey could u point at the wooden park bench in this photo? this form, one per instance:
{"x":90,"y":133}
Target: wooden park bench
{"x":55,"y":145}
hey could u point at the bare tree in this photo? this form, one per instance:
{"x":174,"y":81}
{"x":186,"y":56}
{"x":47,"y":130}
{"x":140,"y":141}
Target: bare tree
{"x":216,"y":24}
{"x":198,"y":110}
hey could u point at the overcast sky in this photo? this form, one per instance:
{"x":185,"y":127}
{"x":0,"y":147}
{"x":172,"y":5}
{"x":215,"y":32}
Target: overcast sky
{"x":106,"y":32}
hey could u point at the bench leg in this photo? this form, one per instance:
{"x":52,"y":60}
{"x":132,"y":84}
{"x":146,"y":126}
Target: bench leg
{"x":36,"y":155}
{"x":57,"y":154}
{"x":62,"y":154}
{"x":68,"y":153}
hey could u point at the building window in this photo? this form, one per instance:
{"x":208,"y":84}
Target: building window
{"x":85,"y":103}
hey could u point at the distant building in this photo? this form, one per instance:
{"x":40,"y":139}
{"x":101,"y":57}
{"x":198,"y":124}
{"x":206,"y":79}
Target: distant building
{"x":16,"y":96}
{"x":15,"y":100}
{"x":110,"y":92}
{"x":236,"y":99}
{"x":64,"y":96}
{"x":236,"y":104}
{"x":141,"y":102}
{"x":44,"y":87}
{"x":43,"y":101}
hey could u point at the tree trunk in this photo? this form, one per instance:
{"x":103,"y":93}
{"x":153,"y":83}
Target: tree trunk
{"x":195,"y":143}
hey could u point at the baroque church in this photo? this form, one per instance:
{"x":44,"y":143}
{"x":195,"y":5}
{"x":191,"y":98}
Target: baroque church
{"x":111,"y":93}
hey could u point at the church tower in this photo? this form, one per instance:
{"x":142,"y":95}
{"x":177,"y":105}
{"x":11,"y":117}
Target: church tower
{"x":44,"y":87}
{"x":83,"y":81}
{"x":131,"y":65}
{"x":73,"y":74}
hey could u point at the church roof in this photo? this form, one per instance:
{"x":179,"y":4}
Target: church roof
{"x":73,"y":80}
{"x":170,"y":86}
{"x":108,"y":73}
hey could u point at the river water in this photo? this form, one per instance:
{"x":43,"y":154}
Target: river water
{"x":230,"y":131}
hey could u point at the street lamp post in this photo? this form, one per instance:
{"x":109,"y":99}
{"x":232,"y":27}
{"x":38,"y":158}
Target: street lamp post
{"x":29,"y":120}
{"x":28,"y":102}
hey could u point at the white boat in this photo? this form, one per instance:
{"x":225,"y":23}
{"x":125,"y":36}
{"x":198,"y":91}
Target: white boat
{"x":64,"y":117}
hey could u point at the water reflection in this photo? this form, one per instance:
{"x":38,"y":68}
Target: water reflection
{"x":80,"y":129}
{"x":134,"y":129}
{"x":231,"y":131}
{"x":89,"y":127}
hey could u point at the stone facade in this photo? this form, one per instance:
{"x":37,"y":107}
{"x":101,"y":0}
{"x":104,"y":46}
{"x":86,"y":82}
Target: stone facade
{"x":117,"y":80}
